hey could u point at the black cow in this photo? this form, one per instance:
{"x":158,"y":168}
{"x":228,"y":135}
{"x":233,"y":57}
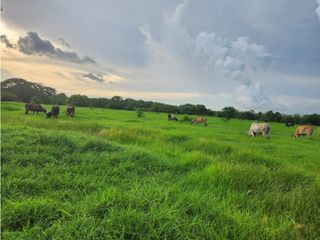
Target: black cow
{"x":33,"y":107}
{"x":172,"y":117}
{"x":55,"y":110}
{"x":70,"y":111}
{"x":289,"y":124}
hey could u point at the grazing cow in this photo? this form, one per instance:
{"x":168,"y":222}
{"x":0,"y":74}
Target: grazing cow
{"x":172,"y":117}
{"x":55,"y":110}
{"x":259,"y":128}
{"x":199,"y":120}
{"x":33,"y":107}
{"x":289,"y":124}
{"x":303,"y":130}
{"x":70,"y":111}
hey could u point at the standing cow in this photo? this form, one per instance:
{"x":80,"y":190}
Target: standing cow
{"x":199,"y":120}
{"x":33,"y":107}
{"x":55,"y":110}
{"x":303,"y":130}
{"x":172,"y":117}
{"x":259,"y":128}
{"x":70,"y":111}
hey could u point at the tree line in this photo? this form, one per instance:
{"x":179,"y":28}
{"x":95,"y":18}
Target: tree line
{"x":15,"y":89}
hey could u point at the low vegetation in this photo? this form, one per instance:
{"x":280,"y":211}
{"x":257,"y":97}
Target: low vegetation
{"x":109,"y":174}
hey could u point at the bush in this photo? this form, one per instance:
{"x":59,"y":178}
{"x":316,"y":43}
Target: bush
{"x":186,"y":118}
{"x":36,"y":99}
{"x":140,"y":113}
{"x":7,"y":96}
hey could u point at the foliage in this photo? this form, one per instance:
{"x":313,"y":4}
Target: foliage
{"x":186,"y":118}
{"x":8,"y":96}
{"x":79,"y":100}
{"x":26,"y":91}
{"x":140,"y":113}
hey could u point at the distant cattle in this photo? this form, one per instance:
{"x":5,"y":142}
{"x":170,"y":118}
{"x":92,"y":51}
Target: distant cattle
{"x":199,"y":120}
{"x":70,"y":111}
{"x":303,"y":130}
{"x":259,"y":128}
{"x":55,"y":110}
{"x":33,"y":107}
{"x":172,"y":117}
{"x":289,"y":124}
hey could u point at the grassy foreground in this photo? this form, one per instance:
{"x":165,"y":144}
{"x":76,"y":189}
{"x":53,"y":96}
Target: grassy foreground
{"x":107,"y":174}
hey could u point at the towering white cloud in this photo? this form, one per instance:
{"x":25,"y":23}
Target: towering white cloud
{"x":318,"y":9}
{"x":177,"y":52}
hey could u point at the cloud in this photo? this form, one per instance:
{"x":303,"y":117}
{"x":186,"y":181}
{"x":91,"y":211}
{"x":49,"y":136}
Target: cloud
{"x":64,"y":42}
{"x":6,"y":41}
{"x":94,"y":76}
{"x":32,"y":44}
{"x":207,"y":57}
{"x":318,"y":8}
{"x":252,"y":96}
{"x":294,"y":104}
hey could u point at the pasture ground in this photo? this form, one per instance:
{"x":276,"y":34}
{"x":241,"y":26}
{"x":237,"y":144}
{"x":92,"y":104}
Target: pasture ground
{"x":108,"y":174}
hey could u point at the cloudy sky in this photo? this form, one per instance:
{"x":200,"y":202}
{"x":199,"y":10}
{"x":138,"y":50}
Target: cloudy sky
{"x":251,"y":54}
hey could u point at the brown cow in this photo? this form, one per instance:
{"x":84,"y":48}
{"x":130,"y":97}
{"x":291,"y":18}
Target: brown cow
{"x":33,"y":107}
{"x":199,"y":120}
{"x":303,"y":130}
{"x":319,"y":131}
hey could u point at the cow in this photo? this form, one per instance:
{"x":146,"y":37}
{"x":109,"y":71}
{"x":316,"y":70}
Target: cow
{"x":319,"y":132}
{"x":70,"y":111}
{"x":289,"y":124}
{"x":303,"y":130}
{"x":33,"y":107}
{"x":199,"y":120}
{"x":259,"y":128}
{"x":55,"y":110}
{"x":172,"y":117}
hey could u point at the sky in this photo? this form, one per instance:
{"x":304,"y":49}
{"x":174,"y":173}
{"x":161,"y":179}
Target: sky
{"x":250,"y":54}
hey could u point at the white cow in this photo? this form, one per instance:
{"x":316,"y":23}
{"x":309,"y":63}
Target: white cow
{"x":259,"y":128}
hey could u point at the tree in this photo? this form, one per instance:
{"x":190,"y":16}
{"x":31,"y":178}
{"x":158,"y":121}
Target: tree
{"x":79,"y":100}
{"x":8,"y":96}
{"x":36,"y":99}
{"x":229,"y":112}
{"x":60,"y":99}
{"x":25,"y":90}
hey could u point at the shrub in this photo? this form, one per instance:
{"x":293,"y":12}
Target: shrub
{"x":140,"y":113}
{"x":186,"y":118}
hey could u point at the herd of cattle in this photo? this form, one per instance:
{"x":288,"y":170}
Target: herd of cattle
{"x":54,"y":113}
{"x":255,"y":128}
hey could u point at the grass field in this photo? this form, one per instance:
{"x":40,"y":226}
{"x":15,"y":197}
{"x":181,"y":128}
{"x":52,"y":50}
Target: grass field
{"x":107,"y":174}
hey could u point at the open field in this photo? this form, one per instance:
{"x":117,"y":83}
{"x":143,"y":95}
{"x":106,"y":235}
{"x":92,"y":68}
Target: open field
{"x":107,"y":174}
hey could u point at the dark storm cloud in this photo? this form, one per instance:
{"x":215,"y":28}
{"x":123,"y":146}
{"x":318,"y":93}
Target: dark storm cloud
{"x":32,"y":44}
{"x":94,"y":76}
{"x":6,"y":41}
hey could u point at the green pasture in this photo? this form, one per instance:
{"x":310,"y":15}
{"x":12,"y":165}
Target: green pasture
{"x":108,"y":174}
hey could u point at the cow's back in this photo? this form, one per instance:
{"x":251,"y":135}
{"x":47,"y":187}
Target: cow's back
{"x":304,"y":130}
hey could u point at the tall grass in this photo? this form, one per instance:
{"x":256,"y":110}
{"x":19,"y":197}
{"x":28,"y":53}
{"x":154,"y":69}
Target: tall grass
{"x":108,"y":174}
